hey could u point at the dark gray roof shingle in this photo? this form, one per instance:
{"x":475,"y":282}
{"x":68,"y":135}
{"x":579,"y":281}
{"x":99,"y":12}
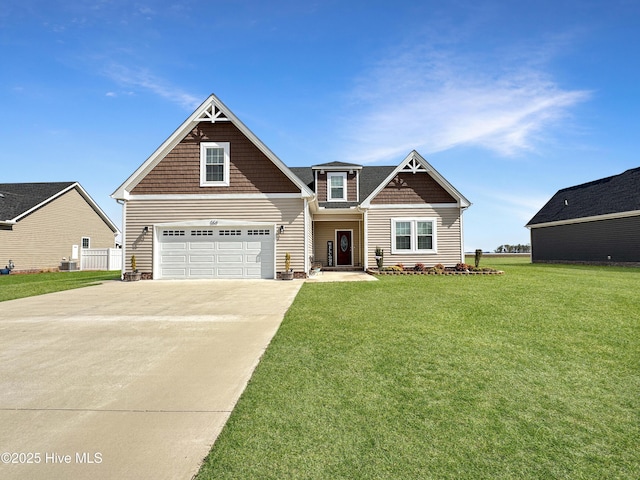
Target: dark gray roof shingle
{"x":370,"y":179}
{"x":616,"y":194}
{"x":18,"y":198}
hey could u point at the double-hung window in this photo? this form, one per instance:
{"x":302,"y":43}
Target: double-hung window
{"x":337,"y":187}
{"x":413,"y":235}
{"x":214,"y":164}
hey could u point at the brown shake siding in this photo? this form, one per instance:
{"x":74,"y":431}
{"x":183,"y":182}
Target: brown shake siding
{"x":352,"y":187}
{"x":285,"y":211}
{"x":409,"y":188}
{"x":250,"y":170}
{"x":448,"y":235}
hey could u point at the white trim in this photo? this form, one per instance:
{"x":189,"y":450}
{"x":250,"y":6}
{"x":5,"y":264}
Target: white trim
{"x":414,"y":235}
{"x":388,"y":206}
{"x":307,"y":267}
{"x":177,"y":136}
{"x":335,"y":236}
{"x":365,"y":222}
{"x":214,"y":222}
{"x":82,"y":243}
{"x":594,"y":218}
{"x":342,"y":175}
{"x":226,"y":164}
{"x":414,"y":158}
{"x":221,"y":196}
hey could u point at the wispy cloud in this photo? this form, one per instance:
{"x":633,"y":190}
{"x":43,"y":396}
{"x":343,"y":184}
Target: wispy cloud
{"x":144,"y":80}
{"x":435,"y":100}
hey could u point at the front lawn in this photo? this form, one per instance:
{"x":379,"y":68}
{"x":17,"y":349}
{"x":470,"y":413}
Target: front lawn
{"x":534,"y":374}
{"x":28,"y":285}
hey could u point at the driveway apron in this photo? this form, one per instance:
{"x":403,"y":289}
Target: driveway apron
{"x":128,"y":380}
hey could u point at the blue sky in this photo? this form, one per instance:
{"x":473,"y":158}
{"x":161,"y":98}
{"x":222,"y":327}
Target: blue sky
{"x":509,"y":100}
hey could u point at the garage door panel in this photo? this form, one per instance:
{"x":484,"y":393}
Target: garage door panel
{"x":174,"y":259}
{"x":226,"y":245}
{"x":239,"y":255}
{"x":201,"y":258}
{"x":230,"y":272}
{"x":201,"y":245}
{"x":174,"y":272}
{"x":167,"y":244}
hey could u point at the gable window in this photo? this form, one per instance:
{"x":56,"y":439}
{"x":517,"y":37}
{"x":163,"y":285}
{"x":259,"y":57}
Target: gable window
{"x":337,"y":187}
{"x":413,"y":235}
{"x":214,"y":164}
{"x":86,"y":242}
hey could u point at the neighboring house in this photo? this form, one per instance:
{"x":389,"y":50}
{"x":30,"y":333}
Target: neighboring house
{"x":42,"y":223}
{"x":596,"y":222}
{"x":214,"y":202}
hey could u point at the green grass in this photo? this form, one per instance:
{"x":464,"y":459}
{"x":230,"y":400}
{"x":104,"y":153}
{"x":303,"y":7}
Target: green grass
{"x":534,"y":374}
{"x":19,"y":286}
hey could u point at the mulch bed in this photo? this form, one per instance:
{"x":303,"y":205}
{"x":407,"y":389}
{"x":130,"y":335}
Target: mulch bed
{"x":446,"y":271}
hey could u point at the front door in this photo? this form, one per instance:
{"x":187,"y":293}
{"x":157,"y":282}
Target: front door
{"x":343,"y":242}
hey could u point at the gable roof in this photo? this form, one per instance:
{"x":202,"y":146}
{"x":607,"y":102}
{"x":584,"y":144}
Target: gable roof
{"x":17,"y":200}
{"x":370,"y":178}
{"x":211,"y":110}
{"x":611,"y":196}
{"x":414,"y":162}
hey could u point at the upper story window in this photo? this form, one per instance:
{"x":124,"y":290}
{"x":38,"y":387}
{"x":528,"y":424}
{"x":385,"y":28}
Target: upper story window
{"x":86,"y":242}
{"x":214,"y":164}
{"x":337,"y":187}
{"x":413,"y":235}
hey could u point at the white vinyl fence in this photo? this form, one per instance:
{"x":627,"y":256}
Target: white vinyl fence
{"x":101,"y":259}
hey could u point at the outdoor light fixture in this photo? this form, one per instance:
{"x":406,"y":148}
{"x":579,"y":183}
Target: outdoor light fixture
{"x":145,"y":229}
{"x":281,"y":230}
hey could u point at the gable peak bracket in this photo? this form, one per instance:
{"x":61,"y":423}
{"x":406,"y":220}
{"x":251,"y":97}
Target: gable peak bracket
{"x":212,"y":114}
{"x":414,"y":166}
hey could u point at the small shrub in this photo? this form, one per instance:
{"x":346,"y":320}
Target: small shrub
{"x":400,"y":266}
{"x":393,"y":268}
{"x":419,"y":267}
{"x":463,"y":267}
{"x":439,"y":266}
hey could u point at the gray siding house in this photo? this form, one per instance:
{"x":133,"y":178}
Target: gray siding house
{"x":596,"y":222}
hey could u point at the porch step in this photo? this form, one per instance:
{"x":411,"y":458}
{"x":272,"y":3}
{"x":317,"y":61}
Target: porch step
{"x":343,"y":269}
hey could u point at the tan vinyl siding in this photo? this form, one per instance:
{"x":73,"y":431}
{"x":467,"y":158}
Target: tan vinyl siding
{"x":41,"y":239}
{"x":449,"y":239}
{"x":285,"y":211}
{"x":325,"y":231}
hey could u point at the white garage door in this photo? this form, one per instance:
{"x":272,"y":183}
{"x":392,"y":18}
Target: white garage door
{"x":229,"y":252}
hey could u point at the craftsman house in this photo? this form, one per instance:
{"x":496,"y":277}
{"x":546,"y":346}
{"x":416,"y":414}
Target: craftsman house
{"x":42,"y":223}
{"x":214,"y":202}
{"x":596,"y":222}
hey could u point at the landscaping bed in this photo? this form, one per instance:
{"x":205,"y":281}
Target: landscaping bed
{"x":420,"y":269}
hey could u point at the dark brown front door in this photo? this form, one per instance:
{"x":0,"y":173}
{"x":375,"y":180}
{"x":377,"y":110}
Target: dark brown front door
{"x":343,"y":246}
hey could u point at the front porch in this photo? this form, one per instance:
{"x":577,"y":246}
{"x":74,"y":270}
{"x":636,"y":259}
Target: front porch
{"x":338,"y":242}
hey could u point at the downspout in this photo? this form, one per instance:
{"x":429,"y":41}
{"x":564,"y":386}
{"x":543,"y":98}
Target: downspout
{"x":124,"y":236}
{"x":462,"y":259}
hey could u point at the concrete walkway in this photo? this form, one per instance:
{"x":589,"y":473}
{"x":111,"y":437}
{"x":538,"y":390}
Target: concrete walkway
{"x":128,"y":380}
{"x":337,"y":276}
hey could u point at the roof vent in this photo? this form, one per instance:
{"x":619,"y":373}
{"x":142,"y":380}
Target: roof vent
{"x":566,"y":202}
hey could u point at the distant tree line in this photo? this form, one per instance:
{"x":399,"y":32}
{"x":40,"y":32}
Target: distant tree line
{"x":513,"y":248}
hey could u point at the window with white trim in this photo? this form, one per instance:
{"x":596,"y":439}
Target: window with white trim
{"x":214,"y":164}
{"x":86,"y":242}
{"x":413,"y":235}
{"x":337,"y":187}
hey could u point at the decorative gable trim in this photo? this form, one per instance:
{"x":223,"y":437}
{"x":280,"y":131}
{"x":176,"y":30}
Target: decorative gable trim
{"x":415,"y":163}
{"x":211,"y":110}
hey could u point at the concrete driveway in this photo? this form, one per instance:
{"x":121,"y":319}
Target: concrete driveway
{"x":128,"y":380}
